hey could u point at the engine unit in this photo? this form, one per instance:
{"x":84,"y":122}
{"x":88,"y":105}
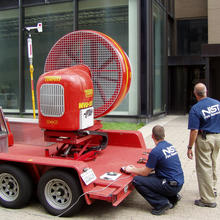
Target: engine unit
{"x":65,"y":99}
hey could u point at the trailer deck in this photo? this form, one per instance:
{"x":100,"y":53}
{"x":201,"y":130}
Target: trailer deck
{"x":100,"y":178}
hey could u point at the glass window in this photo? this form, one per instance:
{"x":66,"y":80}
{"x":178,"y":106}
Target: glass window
{"x":191,"y":34}
{"x":159,"y":25}
{"x":170,"y":36}
{"x":170,"y":7}
{"x":111,"y":18}
{"x":9,"y":66}
{"x":32,"y":2}
{"x":57,"y":20}
{"x":163,"y":2}
{"x":5,"y":4}
{"x":29,"y":2}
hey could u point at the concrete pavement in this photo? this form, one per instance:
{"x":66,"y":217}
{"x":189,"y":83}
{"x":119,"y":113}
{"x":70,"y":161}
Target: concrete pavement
{"x":135,"y":207}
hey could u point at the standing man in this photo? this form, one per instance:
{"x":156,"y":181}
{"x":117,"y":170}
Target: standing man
{"x":161,"y":188}
{"x":204,"y":125}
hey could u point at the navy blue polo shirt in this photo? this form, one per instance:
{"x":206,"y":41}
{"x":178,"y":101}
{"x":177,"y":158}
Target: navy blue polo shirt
{"x":166,"y":163}
{"x":205,"y":115}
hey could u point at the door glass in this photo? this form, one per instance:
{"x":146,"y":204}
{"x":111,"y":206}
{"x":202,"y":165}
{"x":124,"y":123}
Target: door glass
{"x":9,"y":67}
{"x":57,"y":20}
{"x":159,"y":21}
{"x":110,"y":18}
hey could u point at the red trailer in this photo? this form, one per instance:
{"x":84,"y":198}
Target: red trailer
{"x":66,"y":156}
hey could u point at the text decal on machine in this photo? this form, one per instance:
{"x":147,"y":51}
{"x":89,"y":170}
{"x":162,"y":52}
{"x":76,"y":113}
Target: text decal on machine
{"x":86,"y":117}
{"x":85,"y":104}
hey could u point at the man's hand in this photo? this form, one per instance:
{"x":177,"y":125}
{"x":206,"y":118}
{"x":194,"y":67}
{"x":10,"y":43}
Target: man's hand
{"x":129,"y":168}
{"x":142,"y":171}
{"x":190,"y":154}
{"x":192,"y":138}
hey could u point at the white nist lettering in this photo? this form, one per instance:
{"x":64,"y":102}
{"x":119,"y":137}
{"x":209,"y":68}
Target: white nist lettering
{"x":211,"y":111}
{"x":169,"y":152}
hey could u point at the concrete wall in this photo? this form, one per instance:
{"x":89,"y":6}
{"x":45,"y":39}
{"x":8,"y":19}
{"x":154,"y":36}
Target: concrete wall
{"x":191,"y":8}
{"x":213,"y":21}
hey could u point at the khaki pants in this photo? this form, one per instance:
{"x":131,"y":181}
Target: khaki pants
{"x":206,"y":152}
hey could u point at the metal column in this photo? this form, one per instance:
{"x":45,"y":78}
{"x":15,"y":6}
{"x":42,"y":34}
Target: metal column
{"x":21,"y":63}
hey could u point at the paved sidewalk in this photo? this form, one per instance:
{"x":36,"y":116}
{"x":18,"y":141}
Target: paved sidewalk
{"x":135,"y":207}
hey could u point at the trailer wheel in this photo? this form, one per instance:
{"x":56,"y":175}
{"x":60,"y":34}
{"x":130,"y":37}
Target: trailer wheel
{"x":15,"y":187}
{"x":58,"y":191}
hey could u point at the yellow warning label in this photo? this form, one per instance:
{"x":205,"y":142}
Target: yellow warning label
{"x":52,"y":78}
{"x":85,"y":104}
{"x":88,"y":93}
{"x":52,"y":122}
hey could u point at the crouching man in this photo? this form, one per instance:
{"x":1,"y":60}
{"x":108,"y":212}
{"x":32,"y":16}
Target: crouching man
{"x":161,"y":188}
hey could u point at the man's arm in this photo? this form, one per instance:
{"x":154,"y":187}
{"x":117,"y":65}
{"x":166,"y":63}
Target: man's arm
{"x":141,"y":171}
{"x":192,"y":138}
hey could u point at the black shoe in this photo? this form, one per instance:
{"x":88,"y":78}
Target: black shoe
{"x":202,"y":204}
{"x":175,"y":200}
{"x":179,"y":197}
{"x":161,"y":210}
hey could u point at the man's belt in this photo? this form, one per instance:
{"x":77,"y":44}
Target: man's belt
{"x":204,"y":133}
{"x":207,"y":132}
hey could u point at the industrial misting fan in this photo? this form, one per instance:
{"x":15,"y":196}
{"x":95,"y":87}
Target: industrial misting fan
{"x":87,"y":75}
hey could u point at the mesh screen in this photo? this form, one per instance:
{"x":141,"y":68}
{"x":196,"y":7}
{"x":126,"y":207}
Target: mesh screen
{"x":95,"y":51}
{"x":52,"y":100}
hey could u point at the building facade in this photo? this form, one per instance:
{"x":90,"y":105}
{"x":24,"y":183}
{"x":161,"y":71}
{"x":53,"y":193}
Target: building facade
{"x":195,"y":54}
{"x":139,"y":26}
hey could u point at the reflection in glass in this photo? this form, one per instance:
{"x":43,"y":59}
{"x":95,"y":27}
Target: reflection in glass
{"x":110,"y":18}
{"x":159,"y":21}
{"x":9,"y":59}
{"x":191,"y":34}
{"x":57,"y":20}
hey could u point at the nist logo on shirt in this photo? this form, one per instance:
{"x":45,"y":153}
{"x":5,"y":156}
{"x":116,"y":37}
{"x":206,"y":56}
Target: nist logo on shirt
{"x":211,"y":111}
{"x":169,"y":152}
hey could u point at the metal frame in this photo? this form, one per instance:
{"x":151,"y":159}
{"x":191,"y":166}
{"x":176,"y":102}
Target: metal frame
{"x":75,"y":15}
{"x":146,"y":59}
{"x":21,"y":61}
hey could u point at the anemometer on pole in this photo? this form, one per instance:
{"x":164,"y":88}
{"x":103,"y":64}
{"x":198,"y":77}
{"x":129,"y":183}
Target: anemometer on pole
{"x":30,"y":58}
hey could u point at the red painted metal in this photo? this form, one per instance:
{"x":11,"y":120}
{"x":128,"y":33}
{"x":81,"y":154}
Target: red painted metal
{"x":64,"y":113}
{"x":109,"y":160}
{"x":10,"y":135}
{"x":27,"y":131}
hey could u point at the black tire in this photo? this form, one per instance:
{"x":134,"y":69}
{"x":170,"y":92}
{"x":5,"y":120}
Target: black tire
{"x":15,"y":187}
{"x":58,"y":190}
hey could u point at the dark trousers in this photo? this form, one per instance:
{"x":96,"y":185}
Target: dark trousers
{"x":155,"y":190}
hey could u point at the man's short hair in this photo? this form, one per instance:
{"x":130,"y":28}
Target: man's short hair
{"x":200,"y":90}
{"x":158,"y":132}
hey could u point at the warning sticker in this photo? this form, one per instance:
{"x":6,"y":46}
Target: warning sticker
{"x":86,"y":117}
